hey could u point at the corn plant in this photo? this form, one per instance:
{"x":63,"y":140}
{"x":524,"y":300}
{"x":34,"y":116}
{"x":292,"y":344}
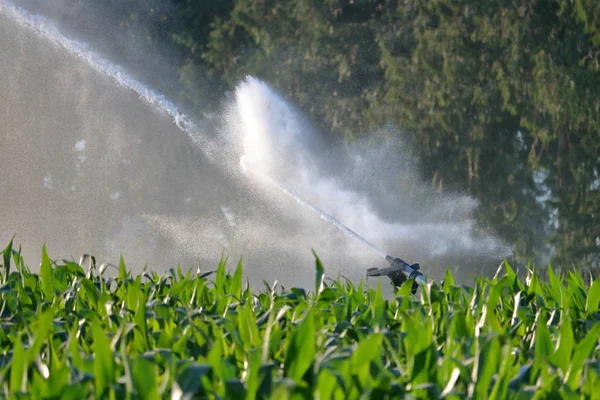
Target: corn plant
{"x":69,"y":331}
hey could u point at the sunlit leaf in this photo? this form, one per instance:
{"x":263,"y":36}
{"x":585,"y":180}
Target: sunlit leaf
{"x":301,"y":351}
{"x":18,"y":368}
{"x":593,"y":297}
{"x":46,"y":274}
{"x":104,"y":368}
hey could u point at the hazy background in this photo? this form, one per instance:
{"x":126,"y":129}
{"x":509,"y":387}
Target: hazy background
{"x":89,"y":166}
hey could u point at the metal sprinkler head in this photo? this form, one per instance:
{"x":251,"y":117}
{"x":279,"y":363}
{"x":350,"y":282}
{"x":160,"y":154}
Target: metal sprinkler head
{"x":399,"y":272}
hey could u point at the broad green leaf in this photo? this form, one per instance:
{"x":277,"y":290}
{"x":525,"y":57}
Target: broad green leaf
{"x":448,"y":282}
{"x":378,"y":307}
{"x":143,"y":375}
{"x":534,"y":285}
{"x":122,"y":271}
{"x":320,"y":277}
{"x":253,"y":362}
{"x":74,"y":351}
{"x":301,"y":350}
{"x":496,"y":292}
{"x":46,"y":274}
{"x":555,"y":285}
{"x":220,"y":278}
{"x":566,"y":342}
{"x":543,"y":346}
{"x":247,"y":328}
{"x":43,"y":326}
{"x":72,"y":268}
{"x":486,"y":364}
{"x":18,"y":368}
{"x":236,"y":284}
{"x":191,"y":381}
{"x":7,"y":252}
{"x":581,"y":353}
{"x":368,"y":350}
{"x":423,"y":363}
{"x":327,"y":384}
{"x":140,"y":318}
{"x":500,"y":389}
{"x":593,"y":297}
{"x":91,"y":292}
{"x":104,"y":364}
{"x":234,"y":389}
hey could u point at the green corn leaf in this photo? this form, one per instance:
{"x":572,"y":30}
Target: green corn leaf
{"x":6,"y":253}
{"x":74,"y":351}
{"x":140,"y":319}
{"x":236,"y":284}
{"x":487,"y":362}
{"x":247,"y":328}
{"x":555,"y":285}
{"x":217,"y":359}
{"x":122,"y":271}
{"x":543,"y":347}
{"x":368,"y":350}
{"x":253,"y":362}
{"x":191,"y":381}
{"x":500,"y":389}
{"x":301,"y":351}
{"x":448,"y":282}
{"x":42,"y":329}
{"x":91,"y":292}
{"x":593,"y":297}
{"x":534,"y":286}
{"x":72,"y":269}
{"x":562,"y":356}
{"x":378,"y":307}
{"x":143,"y":376}
{"x":104,"y":367}
{"x":423,"y":363}
{"x":320,"y":277}
{"x":220,"y":279}
{"x":18,"y":368}
{"x":75,"y":392}
{"x":496,"y":292}
{"x":581,"y":353}
{"x":510,"y":273}
{"x":46,"y":274}
{"x":327,"y":384}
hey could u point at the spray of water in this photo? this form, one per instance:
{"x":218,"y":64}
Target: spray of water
{"x":419,"y":223}
{"x":41,"y":26}
{"x":268,"y":134}
{"x":322,"y":214}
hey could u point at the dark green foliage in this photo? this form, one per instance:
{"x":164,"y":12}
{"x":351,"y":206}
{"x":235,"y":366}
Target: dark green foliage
{"x":185,"y":336}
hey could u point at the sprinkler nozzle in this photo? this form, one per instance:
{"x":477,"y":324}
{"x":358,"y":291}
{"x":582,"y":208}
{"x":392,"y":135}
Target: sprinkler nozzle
{"x":399,"y":272}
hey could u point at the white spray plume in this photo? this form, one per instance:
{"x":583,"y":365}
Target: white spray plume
{"x":278,"y":147}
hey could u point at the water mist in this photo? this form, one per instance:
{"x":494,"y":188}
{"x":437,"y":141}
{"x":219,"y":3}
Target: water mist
{"x":116,"y":174}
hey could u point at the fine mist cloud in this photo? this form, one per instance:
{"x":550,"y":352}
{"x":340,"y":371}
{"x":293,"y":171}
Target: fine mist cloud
{"x":372,"y":186}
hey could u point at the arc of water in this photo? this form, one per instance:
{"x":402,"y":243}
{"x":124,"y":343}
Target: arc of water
{"x":44,"y":28}
{"x":322,"y":214}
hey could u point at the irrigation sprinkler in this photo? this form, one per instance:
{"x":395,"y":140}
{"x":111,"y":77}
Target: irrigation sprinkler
{"x":399,"y":272}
